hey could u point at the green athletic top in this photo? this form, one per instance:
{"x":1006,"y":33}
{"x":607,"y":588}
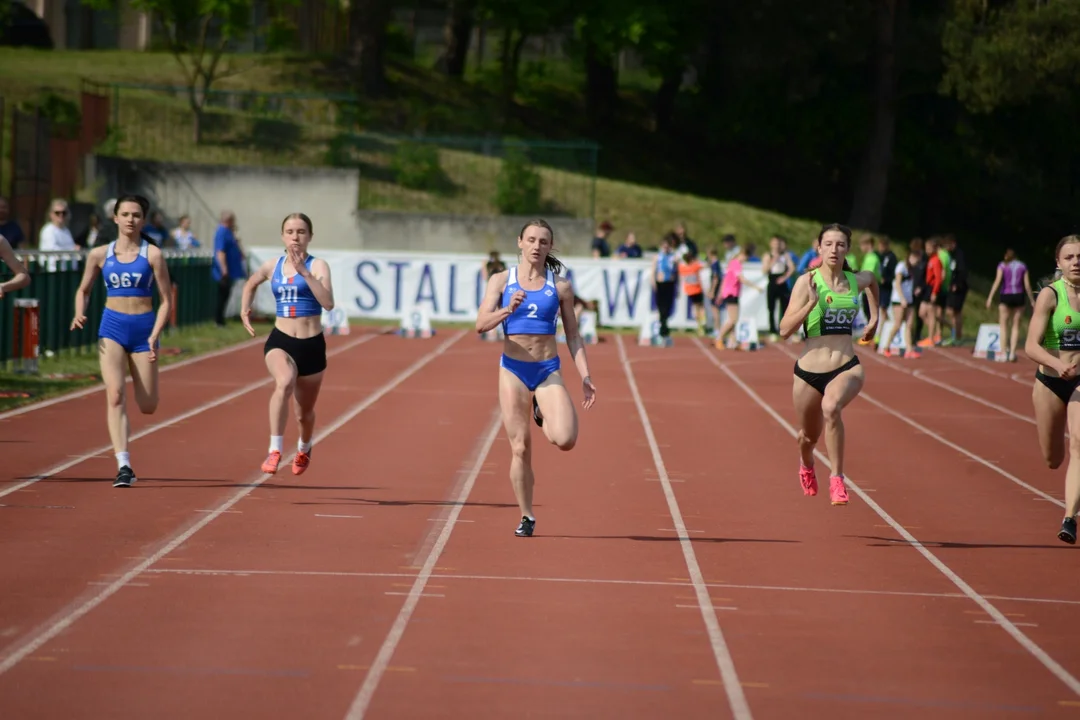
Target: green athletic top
{"x":1063,"y":331}
{"x":946,"y":268}
{"x":834,"y":313}
{"x":871,"y":263}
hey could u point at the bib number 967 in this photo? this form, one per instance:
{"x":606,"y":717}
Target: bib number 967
{"x":124,"y":280}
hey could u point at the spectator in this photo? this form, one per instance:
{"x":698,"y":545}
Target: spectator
{"x":600,"y":247}
{"x":716,"y":276}
{"x":55,"y":235}
{"x":155,"y":230}
{"x":630,"y":248}
{"x":731,"y":249}
{"x":182,"y":235}
{"x":9,"y":228}
{"x":779,"y":267}
{"x":936,"y":289}
{"x":683,"y":243}
{"x":228,"y":268}
{"x":663,"y":282}
{"x":89,"y":236}
{"x":808,"y":260}
{"x":690,"y":275}
{"x":493,"y":266}
{"x":871,"y":263}
{"x":958,"y":290}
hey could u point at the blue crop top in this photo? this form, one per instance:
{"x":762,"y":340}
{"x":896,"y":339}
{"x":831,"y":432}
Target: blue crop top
{"x":538,"y":313}
{"x":665,"y":267}
{"x":133,"y":279}
{"x":292,"y":294}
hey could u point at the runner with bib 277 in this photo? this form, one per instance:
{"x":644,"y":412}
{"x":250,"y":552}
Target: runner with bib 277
{"x":828,"y":376}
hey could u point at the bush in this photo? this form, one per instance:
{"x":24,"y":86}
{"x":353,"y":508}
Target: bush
{"x":416,"y":166}
{"x":517,"y":189}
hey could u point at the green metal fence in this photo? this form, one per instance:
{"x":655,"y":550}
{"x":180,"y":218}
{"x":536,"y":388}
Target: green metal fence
{"x":459,"y":175}
{"x":54,"y":279}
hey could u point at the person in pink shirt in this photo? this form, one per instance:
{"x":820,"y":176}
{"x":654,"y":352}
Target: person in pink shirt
{"x":730,"y":288}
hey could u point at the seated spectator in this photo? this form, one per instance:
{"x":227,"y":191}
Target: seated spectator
{"x":182,"y":235}
{"x":630,"y":248}
{"x":600,"y":247}
{"x":9,"y":228}
{"x":55,"y":235}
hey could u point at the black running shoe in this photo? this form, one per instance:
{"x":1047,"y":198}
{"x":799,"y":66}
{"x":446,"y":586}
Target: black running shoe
{"x":124,"y":478}
{"x":1068,"y":531}
{"x":536,"y":413}
{"x":525,"y":529}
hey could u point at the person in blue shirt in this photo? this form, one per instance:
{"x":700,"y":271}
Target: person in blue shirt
{"x":228,"y":266}
{"x":295,"y":351}
{"x":132,"y":268}
{"x":629,"y":248}
{"x":665,"y":276}
{"x":527,"y":299}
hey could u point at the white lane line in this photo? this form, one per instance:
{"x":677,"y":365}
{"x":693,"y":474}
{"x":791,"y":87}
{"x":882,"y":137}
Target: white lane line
{"x":382,"y":659}
{"x":168,"y":423}
{"x":69,"y":618}
{"x":918,"y":374}
{"x":962,"y":450}
{"x":1007,"y":625}
{"x":99,"y":387}
{"x":977,"y":366}
{"x":740,"y":708}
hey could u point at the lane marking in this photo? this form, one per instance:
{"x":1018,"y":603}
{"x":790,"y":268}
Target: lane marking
{"x":379,"y":666}
{"x":250,"y":387}
{"x":338,"y":516}
{"x":740,"y":708}
{"x":100,"y":386}
{"x":1007,"y":625}
{"x":67,"y":619}
{"x":920,"y":375}
{"x":963,"y":451}
{"x":949,"y":355}
{"x":674,"y":582}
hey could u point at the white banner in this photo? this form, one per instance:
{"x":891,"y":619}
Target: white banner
{"x":384,"y":284}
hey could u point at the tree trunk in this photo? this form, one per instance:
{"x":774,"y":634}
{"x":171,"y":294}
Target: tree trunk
{"x":458,"y":33}
{"x":872,"y":185}
{"x":666,"y":95}
{"x":601,"y":86}
{"x":367,"y":44}
{"x":511,"y":59}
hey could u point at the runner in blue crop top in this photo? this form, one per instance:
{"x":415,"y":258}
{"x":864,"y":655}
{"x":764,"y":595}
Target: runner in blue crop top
{"x":131,"y":269}
{"x":295,"y":351}
{"x":527,"y":300}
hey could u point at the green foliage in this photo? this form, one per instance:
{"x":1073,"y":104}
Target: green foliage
{"x":1011,"y":54}
{"x":517,"y":187}
{"x":416,"y":166}
{"x":64,"y":115}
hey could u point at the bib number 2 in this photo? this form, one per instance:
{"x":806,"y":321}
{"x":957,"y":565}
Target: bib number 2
{"x":532,"y":310}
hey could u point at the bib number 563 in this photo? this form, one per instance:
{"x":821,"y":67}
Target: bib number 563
{"x":1070,"y":336}
{"x":840,"y":317}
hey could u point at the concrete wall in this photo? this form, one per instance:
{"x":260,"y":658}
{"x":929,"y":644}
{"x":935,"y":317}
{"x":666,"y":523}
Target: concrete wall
{"x":262,"y":196}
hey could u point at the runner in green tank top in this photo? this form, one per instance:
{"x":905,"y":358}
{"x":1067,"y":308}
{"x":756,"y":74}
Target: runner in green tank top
{"x":1053,"y":342}
{"x":825,"y":303}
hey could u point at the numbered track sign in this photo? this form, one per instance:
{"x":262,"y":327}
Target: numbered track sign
{"x":416,"y":322}
{"x":587,"y":327}
{"x":988,"y":341}
{"x":897,"y":345}
{"x":335,"y":322}
{"x":650,"y":330}
{"x":746,"y":334}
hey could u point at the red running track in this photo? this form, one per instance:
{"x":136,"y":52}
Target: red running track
{"x":677,"y":568}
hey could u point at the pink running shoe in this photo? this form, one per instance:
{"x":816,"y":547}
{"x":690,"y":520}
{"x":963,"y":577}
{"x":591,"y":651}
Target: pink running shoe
{"x":270,"y":465}
{"x":808,"y":480}
{"x":837,"y":491}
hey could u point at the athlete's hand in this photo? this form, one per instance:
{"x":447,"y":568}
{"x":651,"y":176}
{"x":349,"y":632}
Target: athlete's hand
{"x":152,"y":355}
{"x":987,"y":303}
{"x":1067,"y":372}
{"x":245,"y":317}
{"x":78,"y":322}
{"x":589,"y":390}
{"x":516,"y":299}
{"x":297,"y":261}
{"x":870,"y":330}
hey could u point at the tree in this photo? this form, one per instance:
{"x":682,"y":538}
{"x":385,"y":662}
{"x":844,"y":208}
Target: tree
{"x":198,"y":33}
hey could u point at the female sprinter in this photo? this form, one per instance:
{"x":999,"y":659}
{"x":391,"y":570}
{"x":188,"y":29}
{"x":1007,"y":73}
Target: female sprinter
{"x":1053,"y":341}
{"x":1014,"y":282}
{"x":828,"y":376}
{"x":527,"y":299}
{"x":295,"y":351}
{"x":129,"y":330}
{"x":21,"y":278}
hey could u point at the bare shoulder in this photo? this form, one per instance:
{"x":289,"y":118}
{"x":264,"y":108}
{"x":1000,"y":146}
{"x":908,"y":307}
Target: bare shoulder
{"x":1047,"y":297}
{"x":97,"y":254}
{"x":497,"y":280}
{"x":320,"y":264}
{"x":564,"y":286}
